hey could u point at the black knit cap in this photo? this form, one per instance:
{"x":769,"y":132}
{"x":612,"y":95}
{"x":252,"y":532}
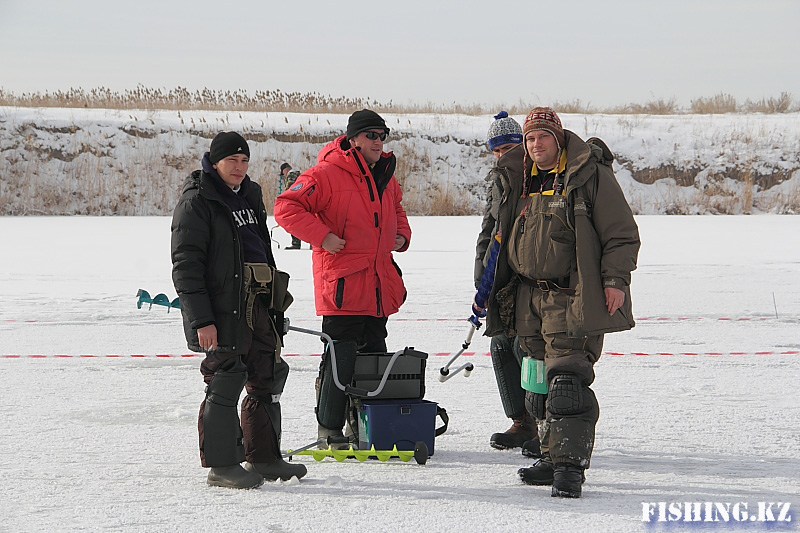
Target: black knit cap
{"x":365,"y":120}
{"x":285,"y":166}
{"x":227,"y":143}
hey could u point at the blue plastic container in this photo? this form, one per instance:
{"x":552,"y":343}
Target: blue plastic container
{"x":402,"y":423}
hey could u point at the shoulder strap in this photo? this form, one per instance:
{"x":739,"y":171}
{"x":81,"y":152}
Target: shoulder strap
{"x":441,"y":413}
{"x":580,"y":205}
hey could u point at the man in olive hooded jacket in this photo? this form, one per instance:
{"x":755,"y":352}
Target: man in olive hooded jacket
{"x":562,"y":281}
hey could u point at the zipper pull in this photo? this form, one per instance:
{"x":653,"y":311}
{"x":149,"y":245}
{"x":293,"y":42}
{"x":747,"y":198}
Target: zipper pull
{"x":559,"y":187}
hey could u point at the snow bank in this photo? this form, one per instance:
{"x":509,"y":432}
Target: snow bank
{"x":99,"y":161}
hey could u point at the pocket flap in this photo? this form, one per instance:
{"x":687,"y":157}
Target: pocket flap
{"x":261,"y":272}
{"x":341,"y":269}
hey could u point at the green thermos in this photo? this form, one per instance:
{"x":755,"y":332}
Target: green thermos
{"x":534,"y":376}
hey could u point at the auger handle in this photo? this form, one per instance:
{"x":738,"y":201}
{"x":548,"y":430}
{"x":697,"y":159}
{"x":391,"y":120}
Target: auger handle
{"x":444,"y":372}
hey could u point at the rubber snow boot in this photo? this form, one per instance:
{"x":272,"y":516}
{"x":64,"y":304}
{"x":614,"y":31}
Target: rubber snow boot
{"x":277,"y":469}
{"x":335,"y":436}
{"x":567,"y":480}
{"x":523,"y":429}
{"x":233,"y":477}
{"x":531,"y":448}
{"x":539,"y":473}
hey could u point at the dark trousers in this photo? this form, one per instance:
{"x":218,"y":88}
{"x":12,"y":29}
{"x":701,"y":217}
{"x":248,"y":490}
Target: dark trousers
{"x":541,"y":324}
{"x":351,"y":334}
{"x":369,"y":332}
{"x":266,"y":376}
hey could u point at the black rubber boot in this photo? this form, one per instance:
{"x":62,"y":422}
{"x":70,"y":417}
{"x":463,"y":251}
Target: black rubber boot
{"x":567,"y":480}
{"x":277,"y":469}
{"x":233,"y":477}
{"x":531,"y":448}
{"x":332,"y":402}
{"x":539,"y":473}
{"x":220,"y":431}
{"x":334,"y":439}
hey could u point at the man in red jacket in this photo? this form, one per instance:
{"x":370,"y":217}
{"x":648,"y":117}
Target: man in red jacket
{"x":349,"y":207}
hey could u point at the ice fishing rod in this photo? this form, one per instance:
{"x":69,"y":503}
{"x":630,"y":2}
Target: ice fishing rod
{"x":444,"y":372}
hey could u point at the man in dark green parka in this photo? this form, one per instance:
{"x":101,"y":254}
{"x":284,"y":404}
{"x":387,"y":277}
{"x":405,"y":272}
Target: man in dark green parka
{"x":564,"y":269}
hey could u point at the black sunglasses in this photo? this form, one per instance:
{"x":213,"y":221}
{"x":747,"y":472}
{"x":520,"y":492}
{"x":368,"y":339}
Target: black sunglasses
{"x":372,"y":135}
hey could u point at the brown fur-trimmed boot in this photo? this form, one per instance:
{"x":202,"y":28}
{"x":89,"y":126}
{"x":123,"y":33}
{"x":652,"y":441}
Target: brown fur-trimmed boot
{"x":523,"y":429}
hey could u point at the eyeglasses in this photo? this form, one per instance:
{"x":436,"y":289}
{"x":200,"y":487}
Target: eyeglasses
{"x":373,"y":135}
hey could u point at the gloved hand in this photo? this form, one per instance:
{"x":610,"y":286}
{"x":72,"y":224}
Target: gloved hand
{"x":478,"y":308}
{"x":475,"y":321}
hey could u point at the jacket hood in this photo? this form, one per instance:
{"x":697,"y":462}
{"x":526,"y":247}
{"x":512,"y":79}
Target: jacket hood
{"x":192,"y":181}
{"x":581,"y":161}
{"x":209,"y":182}
{"x":340,"y":153}
{"x":512,"y":159}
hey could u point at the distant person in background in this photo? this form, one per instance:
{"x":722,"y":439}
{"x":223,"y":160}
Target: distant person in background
{"x":505,"y":142}
{"x":287,"y":179}
{"x":564,"y":268}
{"x":349,"y":207}
{"x":231,"y":299}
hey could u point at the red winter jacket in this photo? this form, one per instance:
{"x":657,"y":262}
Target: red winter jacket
{"x":339,"y":195}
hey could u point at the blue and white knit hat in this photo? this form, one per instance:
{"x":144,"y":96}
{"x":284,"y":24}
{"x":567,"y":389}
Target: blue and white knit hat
{"x":504,"y":130}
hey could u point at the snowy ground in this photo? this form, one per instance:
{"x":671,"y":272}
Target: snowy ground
{"x":98,"y":443}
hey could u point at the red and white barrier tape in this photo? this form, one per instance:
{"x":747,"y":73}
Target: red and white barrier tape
{"x":638,"y":319}
{"x":438,"y":354}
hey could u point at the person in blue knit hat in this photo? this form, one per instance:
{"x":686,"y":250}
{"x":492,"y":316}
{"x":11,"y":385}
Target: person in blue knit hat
{"x":505,"y":142}
{"x":504,"y":134}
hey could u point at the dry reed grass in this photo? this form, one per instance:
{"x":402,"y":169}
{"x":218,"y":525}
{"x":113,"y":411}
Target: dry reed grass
{"x":182,"y":98}
{"x":725,"y":103}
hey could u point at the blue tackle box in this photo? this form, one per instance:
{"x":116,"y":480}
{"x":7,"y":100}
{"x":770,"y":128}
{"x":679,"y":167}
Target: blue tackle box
{"x":385,"y":424}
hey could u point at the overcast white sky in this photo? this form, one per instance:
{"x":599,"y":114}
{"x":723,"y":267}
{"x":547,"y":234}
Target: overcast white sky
{"x":604,"y":52}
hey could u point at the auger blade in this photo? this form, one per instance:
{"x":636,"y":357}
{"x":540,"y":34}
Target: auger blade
{"x":360,"y":455}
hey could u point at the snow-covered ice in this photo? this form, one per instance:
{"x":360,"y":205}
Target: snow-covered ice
{"x":97,"y":443}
